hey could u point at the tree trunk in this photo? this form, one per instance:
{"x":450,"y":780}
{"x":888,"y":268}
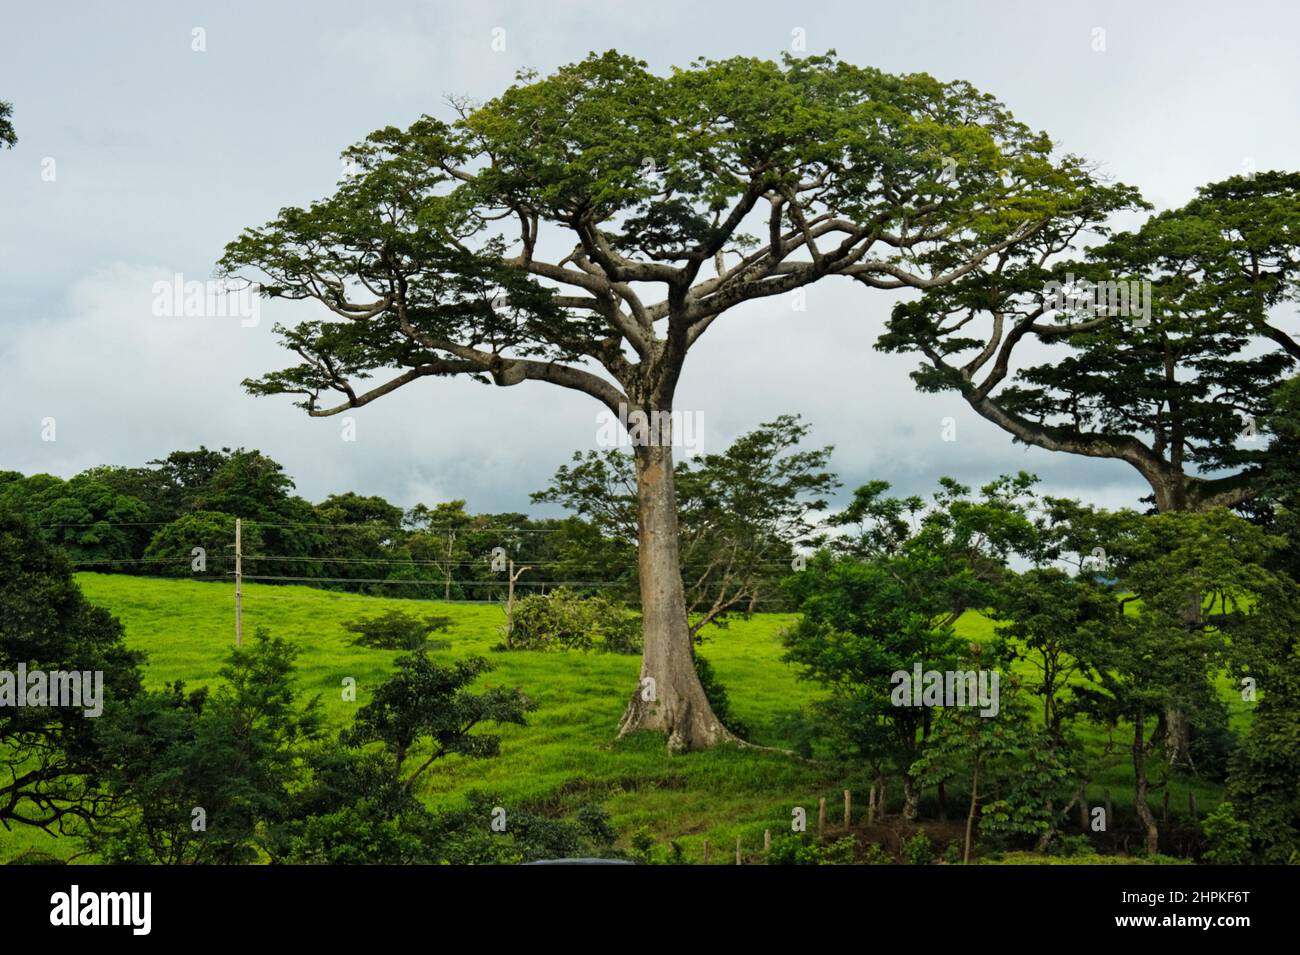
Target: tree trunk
{"x":1140,"y":790}
{"x":911,"y":798}
{"x":974,"y":807}
{"x":669,"y":698}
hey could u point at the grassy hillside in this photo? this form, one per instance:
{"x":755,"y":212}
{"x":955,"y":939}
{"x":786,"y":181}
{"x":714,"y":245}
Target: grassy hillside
{"x":566,"y":754}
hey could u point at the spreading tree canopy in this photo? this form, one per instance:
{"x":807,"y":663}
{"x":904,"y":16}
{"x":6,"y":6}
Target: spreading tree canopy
{"x":1182,"y":393}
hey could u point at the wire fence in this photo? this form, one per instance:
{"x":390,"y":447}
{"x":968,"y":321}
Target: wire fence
{"x":437,"y":587}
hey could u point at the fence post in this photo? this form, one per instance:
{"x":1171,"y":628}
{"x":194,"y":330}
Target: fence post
{"x":821,"y":818}
{"x":738,"y":850}
{"x":848,"y":809}
{"x":706,"y":851}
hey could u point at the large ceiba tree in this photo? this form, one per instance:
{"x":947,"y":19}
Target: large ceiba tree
{"x":585,"y":229}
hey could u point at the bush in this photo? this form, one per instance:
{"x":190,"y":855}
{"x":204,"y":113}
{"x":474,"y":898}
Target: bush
{"x":874,"y":854}
{"x":1071,"y":846}
{"x":642,"y":846}
{"x":1228,"y":837}
{"x":398,"y":631}
{"x":564,"y":620}
{"x":798,"y":850}
{"x":917,"y":850}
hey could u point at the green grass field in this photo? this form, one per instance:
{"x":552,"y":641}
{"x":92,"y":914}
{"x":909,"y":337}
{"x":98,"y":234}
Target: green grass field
{"x":566,"y":754}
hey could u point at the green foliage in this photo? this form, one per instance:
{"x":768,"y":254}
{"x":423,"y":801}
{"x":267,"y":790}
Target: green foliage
{"x":1174,"y":394}
{"x":1228,"y":837}
{"x":741,"y":513}
{"x":643,"y":843}
{"x":171,"y":551}
{"x":7,"y":135}
{"x":1071,"y":846}
{"x":50,"y":759}
{"x":918,"y":850}
{"x":89,"y":520}
{"x":353,"y":812}
{"x":890,"y":599}
{"x":430,"y":704}
{"x":874,"y":854}
{"x":801,"y":729}
{"x":196,"y":777}
{"x":801,"y":850}
{"x":565,"y":620}
{"x":395,"y":630}
{"x":1264,"y":775}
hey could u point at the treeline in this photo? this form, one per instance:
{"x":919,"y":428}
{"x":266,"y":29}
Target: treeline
{"x":743,"y":512}
{"x":150,"y":520}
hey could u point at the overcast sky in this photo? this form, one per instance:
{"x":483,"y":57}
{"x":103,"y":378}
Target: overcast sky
{"x":161,"y":154}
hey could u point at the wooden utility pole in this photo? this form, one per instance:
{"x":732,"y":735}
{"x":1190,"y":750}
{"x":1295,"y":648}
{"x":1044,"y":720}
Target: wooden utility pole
{"x":451,"y":550}
{"x":239,"y":585}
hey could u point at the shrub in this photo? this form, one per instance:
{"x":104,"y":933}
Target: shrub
{"x":396,"y":630}
{"x":798,"y":850}
{"x":643,"y":844}
{"x":874,"y":854}
{"x":1228,"y":837}
{"x":1071,"y":846}
{"x":917,"y":850}
{"x":564,"y":620}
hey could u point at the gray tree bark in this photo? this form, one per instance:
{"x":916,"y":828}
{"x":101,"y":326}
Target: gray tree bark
{"x":674,"y":702}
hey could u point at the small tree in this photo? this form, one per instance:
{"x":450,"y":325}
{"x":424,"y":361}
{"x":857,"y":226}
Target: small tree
{"x":742,"y":513}
{"x":427,"y":702}
{"x":1158,"y":656}
{"x":396,"y":630}
{"x":891,"y":602}
{"x":50,"y":759}
{"x":198,"y":777}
